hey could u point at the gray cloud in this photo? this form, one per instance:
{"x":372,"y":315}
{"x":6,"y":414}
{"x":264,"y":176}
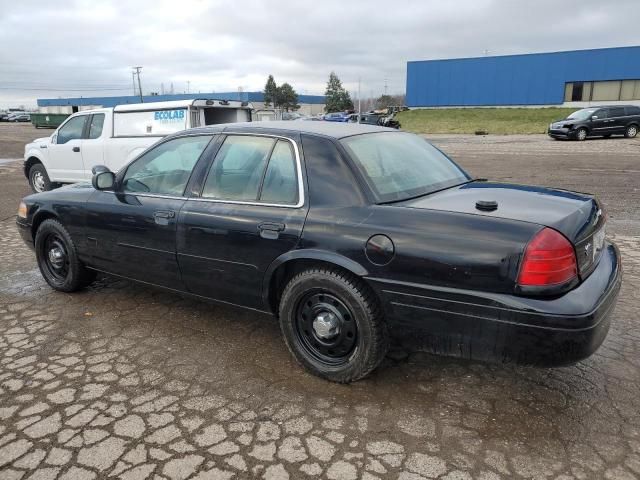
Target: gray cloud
{"x":50,"y":48}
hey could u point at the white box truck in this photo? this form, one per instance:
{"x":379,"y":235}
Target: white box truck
{"x":114,"y":136}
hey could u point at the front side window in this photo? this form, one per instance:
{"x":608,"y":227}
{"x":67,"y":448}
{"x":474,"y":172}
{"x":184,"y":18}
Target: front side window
{"x":583,"y":114}
{"x":398,"y":166}
{"x":95,"y":128}
{"x":166,"y":169}
{"x":236,"y":173}
{"x":72,"y":130}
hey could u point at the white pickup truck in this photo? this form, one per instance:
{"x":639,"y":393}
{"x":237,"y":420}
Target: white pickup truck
{"x":114,"y":136}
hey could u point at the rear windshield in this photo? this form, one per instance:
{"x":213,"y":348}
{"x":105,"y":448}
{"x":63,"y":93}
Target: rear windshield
{"x":398,"y":165}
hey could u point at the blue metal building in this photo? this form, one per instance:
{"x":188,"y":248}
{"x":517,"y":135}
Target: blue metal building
{"x":572,"y":77}
{"x":113,"y":101}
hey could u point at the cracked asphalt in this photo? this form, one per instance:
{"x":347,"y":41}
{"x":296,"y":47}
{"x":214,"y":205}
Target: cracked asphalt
{"x":124,"y":381}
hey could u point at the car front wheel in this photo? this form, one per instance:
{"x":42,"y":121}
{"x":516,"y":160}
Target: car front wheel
{"x":58,"y":259}
{"x":581,"y":134}
{"x":39,"y":179}
{"x":333,"y":324}
{"x":631,"y":131}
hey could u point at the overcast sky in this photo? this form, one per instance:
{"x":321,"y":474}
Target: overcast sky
{"x":49,"y":48}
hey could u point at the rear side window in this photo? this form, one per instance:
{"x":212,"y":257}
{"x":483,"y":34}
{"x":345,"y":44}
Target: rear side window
{"x":72,"y":130}
{"x":95,"y":128}
{"x":633,"y":110}
{"x":616,"y":112}
{"x":237,"y":170}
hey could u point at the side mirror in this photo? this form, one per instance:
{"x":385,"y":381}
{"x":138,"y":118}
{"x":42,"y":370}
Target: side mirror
{"x":103,"y":178}
{"x":54,"y":139}
{"x":594,"y":117}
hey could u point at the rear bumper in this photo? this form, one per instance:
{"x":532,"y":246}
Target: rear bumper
{"x":507,"y":328}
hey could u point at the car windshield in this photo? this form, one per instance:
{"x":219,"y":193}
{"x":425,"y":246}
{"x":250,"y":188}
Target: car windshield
{"x":582,"y":114}
{"x":398,"y":165}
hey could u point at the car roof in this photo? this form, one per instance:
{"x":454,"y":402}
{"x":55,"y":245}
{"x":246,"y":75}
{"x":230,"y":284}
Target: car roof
{"x":326,"y":129}
{"x":606,"y":106}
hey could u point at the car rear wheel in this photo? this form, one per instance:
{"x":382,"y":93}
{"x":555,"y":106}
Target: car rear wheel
{"x":58,"y":259}
{"x":39,"y":179}
{"x":333,"y":324}
{"x":631,"y":131}
{"x":581,"y":134}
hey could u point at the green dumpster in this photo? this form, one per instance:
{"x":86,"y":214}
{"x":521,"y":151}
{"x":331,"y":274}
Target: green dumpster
{"x":48,"y":120}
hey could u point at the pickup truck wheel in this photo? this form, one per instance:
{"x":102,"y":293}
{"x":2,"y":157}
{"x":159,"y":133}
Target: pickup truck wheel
{"x":631,"y":131}
{"x":333,"y":324}
{"x":582,"y":134}
{"x":39,"y":179}
{"x":58,"y":259}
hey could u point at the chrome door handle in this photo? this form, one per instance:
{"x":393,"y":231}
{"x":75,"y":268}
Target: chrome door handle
{"x":274,"y":227}
{"x":271,"y":230}
{"x":164,"y":214}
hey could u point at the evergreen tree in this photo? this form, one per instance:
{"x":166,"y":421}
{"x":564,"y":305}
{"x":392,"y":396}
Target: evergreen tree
{"x":270,"y":92}
{"x":337,"y":98}
{"x":287,"y":98}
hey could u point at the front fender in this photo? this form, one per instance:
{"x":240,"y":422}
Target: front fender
{"x":309,"y":254}
{"x":34,"y":153}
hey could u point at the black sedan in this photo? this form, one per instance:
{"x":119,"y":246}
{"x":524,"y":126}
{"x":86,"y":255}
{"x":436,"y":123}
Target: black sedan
{"x":350,"y":235}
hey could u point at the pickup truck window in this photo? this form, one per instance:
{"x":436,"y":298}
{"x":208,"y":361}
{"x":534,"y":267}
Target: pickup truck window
{"x":72,"y":130}
{"x":95,"y":128}
{"x":165,"y":170}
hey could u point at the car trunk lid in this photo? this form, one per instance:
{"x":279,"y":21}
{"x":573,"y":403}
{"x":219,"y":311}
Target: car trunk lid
{"x":577,"y":216}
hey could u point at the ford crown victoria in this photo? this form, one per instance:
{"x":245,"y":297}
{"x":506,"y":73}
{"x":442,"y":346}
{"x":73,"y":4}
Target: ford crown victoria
{"x":350,"y":235}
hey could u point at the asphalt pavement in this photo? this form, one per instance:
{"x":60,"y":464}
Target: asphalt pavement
{"x":125,"y":381}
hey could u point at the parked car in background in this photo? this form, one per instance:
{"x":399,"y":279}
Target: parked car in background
{"x":113,"y":136}
{"x":336,"y":117}
{"x":603,"y":121}
{"x":375,"y":119}
{"x":372,"y":233}
{"x":19,"y":117}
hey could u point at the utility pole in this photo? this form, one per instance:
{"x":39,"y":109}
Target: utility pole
{"x":188,"y":85}
{"x":137,"y":72}
{"x":133,"y":78}
{"x":385,"y":87}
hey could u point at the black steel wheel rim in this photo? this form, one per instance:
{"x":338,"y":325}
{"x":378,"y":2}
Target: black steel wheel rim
{"x":55,"y":257}
{"x":326,"y":328}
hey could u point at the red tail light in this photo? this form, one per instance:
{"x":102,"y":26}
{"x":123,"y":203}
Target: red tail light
{"x":548,"y":260}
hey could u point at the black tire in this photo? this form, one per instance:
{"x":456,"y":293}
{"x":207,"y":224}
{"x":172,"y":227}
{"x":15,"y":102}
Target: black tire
{"x":39,"y":179}
{"x":58,"y":259}
{"x":581,"y":134}
{"x":631,"y":131}
{"x":360,"y":340}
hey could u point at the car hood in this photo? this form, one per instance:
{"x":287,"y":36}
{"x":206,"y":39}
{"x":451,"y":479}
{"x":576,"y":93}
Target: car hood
{"x":576,"y":215}
{"x":39,"y":141}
